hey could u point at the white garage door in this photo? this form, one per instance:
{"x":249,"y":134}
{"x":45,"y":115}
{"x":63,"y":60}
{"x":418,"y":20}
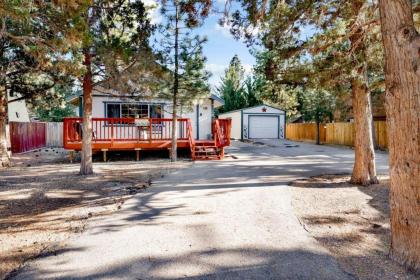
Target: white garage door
{"x":263,"y":127}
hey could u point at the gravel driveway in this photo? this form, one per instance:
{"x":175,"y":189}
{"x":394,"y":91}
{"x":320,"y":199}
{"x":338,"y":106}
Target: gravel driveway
{"x":229,"y":219}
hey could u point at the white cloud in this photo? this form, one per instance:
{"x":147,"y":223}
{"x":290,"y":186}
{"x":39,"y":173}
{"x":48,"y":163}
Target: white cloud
{"x":248,"y":69}
{"x":216,"y":68}
{"x":217,"y":71}
{"x":223,"y":29}
{"x":154,"y":13}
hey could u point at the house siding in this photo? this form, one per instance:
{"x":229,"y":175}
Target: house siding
{"x":17,"y":110}
{"x":204,"y":113}
{"x":236,"y":123}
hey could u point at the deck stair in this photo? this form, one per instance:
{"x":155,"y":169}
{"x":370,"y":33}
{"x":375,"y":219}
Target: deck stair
{"x":210,"y":149}
{"x":207,"y":152}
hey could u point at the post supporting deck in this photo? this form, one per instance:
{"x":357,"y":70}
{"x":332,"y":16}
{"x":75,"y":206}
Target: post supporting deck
{"x":137,"y":153}
{"x":104,"y":154}
{"x":71,"y":156}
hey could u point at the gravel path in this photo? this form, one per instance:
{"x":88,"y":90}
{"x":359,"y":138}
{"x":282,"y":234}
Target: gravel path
{"x":228,"y":219}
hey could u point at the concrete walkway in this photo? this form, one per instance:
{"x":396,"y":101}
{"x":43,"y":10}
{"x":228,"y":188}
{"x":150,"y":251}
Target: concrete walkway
{"x":229,"y":219}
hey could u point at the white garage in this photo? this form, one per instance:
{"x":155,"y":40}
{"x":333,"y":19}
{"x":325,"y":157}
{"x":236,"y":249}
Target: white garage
{"x":258,"y":122}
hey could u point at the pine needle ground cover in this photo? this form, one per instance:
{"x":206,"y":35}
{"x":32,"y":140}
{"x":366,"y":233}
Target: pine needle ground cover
{"x":351,"y":221}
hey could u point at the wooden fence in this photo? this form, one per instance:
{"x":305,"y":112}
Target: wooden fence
{"x":334,"y":133}
{"x":27,"y":136}
{"x":54,"y":134}
{"x":340,"y":134}
{"x":305,"y":132}
{"x":381,"y":136}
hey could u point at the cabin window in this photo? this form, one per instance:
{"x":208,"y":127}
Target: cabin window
{"x":156,"y":111}
{"x":113,"y":110}
{"x":133,"y":110}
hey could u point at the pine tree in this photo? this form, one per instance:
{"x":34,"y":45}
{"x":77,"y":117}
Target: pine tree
{"x":401,"y":41}
{"x":253,"y":89}
{"x":56,"y":108}
{"x":194,"y":81}
{"x":176,"y":45}
{"x":337,"y":57}
{"x":32,"y":54}
{"x":317,"y":106}
{"x":231,"y":86}
{"x":115,"y":32}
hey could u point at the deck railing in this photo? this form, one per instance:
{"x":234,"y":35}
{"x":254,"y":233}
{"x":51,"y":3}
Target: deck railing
{"x":124,"y":129}
{"x":130,"y":133}
{"x":191,"y":139}
{"x":221,"y":131}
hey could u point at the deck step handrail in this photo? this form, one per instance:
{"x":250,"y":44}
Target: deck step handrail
{"x":221,"y":131}
{"x":191,"y":139}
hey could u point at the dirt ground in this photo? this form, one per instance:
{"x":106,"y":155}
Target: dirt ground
{"x":351,"y":221}
{"x":43,"y":200}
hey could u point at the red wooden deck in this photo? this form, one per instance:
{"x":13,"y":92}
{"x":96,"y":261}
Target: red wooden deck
{"x":145,"y":134}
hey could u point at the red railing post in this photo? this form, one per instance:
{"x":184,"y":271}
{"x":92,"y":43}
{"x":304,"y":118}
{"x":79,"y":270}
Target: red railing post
{"x":150,"y":130}
{"x":112,"y":132}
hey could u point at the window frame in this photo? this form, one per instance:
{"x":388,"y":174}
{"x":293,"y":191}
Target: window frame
{"x":141,"y":108}
{"x":149,"y":106}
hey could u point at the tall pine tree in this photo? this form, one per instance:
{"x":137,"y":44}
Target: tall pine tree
{"x":115,"y":32}
{"x":337,"y":57}
{"x":35,"y":37}
{"x":231,"y":86}
{"x":181,"y":55}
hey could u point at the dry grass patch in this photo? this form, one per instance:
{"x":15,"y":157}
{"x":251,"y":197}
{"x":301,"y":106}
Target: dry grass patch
{"x":351,"y":221}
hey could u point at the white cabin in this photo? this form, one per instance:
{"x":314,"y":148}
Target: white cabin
{"x":106,"y":104}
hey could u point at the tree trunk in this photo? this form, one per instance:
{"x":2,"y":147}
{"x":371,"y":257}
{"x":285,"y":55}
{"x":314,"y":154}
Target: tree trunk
{"x":402,"y":76}
{"x":364,"y":170}
{"x":318,"y":142}
{"x":174,"y":131}
{"x":86,"y":158}
{"x":175,"y":91}
{"x":4,"y":155}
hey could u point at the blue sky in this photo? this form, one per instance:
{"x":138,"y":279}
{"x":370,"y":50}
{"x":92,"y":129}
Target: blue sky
{"x":221,"y":46}
{"x":220,"y":49}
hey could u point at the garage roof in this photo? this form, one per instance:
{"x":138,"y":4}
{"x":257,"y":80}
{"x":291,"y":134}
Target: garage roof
{"x":261,"y":105}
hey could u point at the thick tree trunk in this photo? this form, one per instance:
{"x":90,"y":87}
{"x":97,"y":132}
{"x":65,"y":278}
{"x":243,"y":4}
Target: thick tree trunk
{"x":86,"y":158}
{"x":4,"y":155}
{"x":364,"y":170}
{"x":402,"y":76}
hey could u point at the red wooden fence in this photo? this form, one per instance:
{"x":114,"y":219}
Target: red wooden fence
{"x":26,"y":136}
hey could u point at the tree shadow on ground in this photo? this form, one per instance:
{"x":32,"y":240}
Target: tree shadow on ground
{"x":356,"y":228}
{"x":41,"y":204}
{"x":234,"y":263}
